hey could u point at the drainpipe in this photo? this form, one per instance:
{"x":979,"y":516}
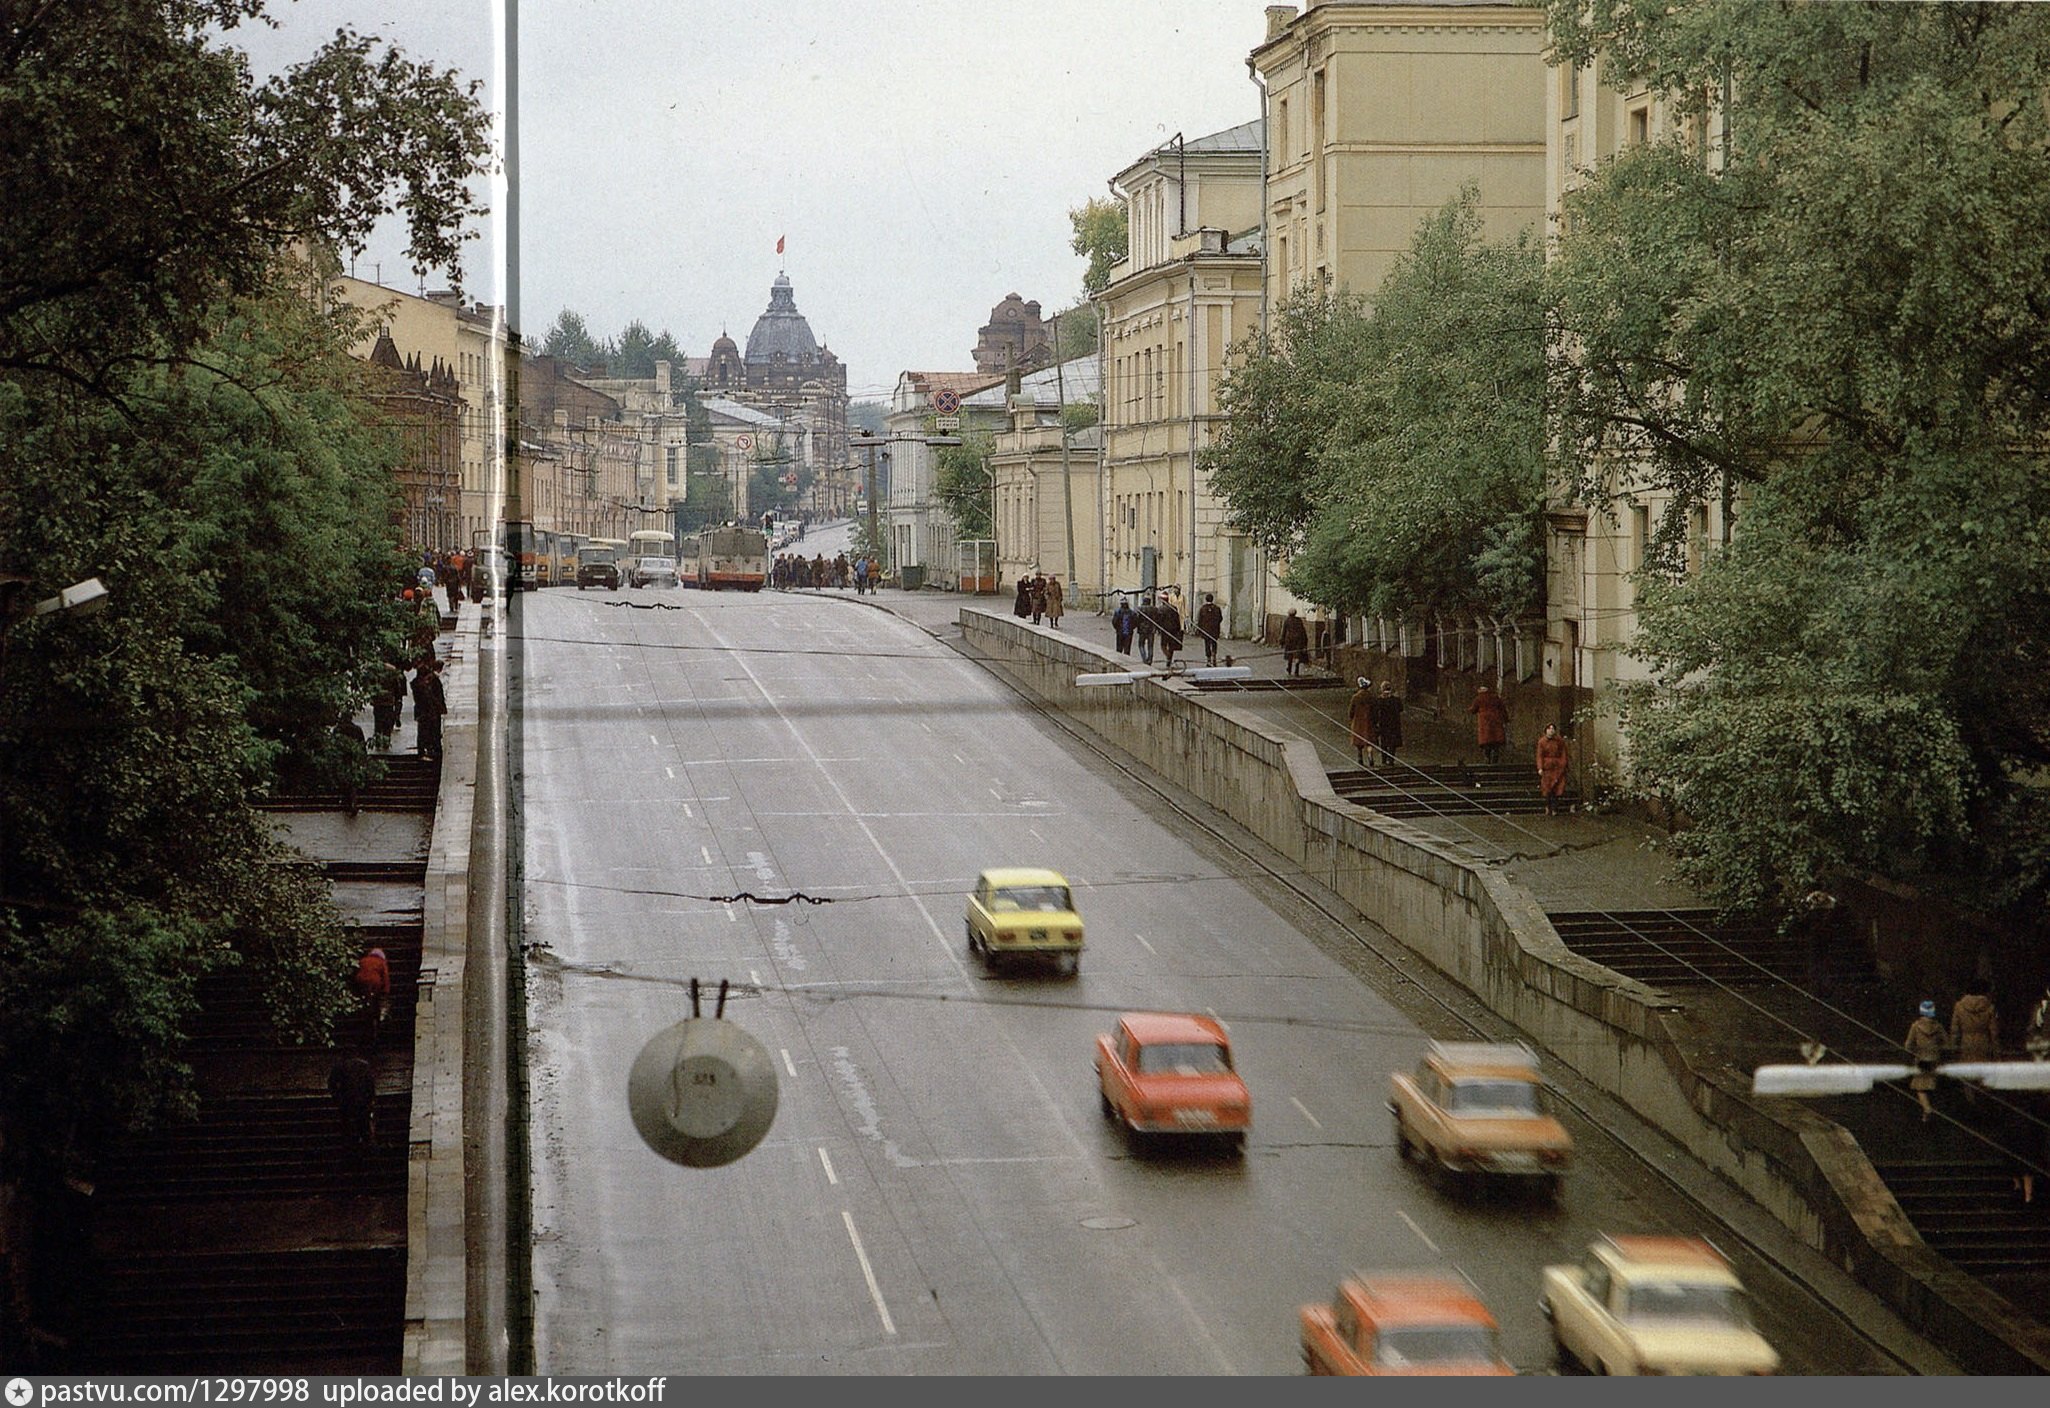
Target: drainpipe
{"x":1189,"y":603}
{"x":1266,"y":146}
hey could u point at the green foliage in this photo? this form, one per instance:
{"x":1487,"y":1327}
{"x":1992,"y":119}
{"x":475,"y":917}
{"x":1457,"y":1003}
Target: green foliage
{"x":631,"y":355}
{"x":1846,"y":328}
{"x":962,"y":480}
{"x":146,"y":175}
{"x":1396,"y":454}
{"x":1077,"y":331}
{"x":569,"y":339}
{"x":1102,"y":235}
{"x":708,"y":498}
{"x":179,"y":419}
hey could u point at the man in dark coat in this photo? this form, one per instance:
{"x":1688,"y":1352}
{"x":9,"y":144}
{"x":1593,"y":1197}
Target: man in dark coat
{"x":1209,"y":625}
{"x":1295,"y":642}
{"x":430,"y":705}
{"x":386,"y":704}
{"x":1388,"y":722}
{"x":1145,"y":624}
{"x":1022,"y":607}
{"x":1122,"y":621}
{"x":1169,"y":618}
{"x":353,"y":1084}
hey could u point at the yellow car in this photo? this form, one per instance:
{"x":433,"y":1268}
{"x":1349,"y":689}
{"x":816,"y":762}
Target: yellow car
{"x":1653,"y":1305}
{"x":1478,"y":1110}
{"x":1021,"y":913}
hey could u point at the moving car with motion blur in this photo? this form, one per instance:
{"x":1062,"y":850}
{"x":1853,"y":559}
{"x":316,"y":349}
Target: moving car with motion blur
{"x":1478,"y":1110}
{"x":1411,"y":1323}
{"x":652,"y":572}
{"x":1172,"y":1073}
{"x":1016,"y":913}
{"x":1653,"y":1305}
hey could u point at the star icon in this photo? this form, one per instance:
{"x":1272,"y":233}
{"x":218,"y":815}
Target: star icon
{"x":19,"y":1392}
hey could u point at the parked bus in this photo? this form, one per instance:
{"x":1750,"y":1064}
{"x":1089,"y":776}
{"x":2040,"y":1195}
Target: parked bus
{"x":522,"y":549}
{"x":567,"y":546}
{"x":733,"y":557}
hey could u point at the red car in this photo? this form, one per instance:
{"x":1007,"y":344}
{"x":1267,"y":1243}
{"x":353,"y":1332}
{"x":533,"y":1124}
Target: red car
{"x":1171,"y":1073}
{"x":1402,"y":1323}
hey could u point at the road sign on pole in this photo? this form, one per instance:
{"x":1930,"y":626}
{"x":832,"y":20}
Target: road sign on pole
{"x":946,"y":402}
{"x":946,"y":422}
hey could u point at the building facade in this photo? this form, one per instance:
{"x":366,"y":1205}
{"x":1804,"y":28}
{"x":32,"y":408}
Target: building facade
{"x":1188,"y":289}
{"x":788,"y":373}
{"x":1014,"y":339}
{"x":919,"y":531}
{"x":422,"y":405}
{"x":1046,"y":480}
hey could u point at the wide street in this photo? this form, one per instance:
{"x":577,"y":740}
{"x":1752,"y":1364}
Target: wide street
{"x":939,"y":1192}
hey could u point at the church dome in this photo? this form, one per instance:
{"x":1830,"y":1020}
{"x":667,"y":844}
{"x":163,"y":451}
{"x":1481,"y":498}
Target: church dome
{"x":725,"y":347}
{"x":782,"y":330}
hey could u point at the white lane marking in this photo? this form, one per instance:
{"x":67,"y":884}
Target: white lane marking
{"x":706,"y":852}
{"x":921,"y":723}
{"x":1416,"y":1229}
{"x":731,"y":917}
{"x":831,"y":1177}
{"x":868,"y":1273}
{"x":654,"y":740}
{"x":787,"y":1064}
{"x":687,"y":811}
{"x":1314,"y":1121}
{"x":1201,"y":1328}
{"x":671,"y":772}
{"x":1142,"y":940}
{"x":961,"y":760}
{"x":1033,"y":831}
{"x":754,"y":977}
{"x":996,"y":794}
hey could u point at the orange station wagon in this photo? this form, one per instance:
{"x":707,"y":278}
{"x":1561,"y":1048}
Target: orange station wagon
{"x":1402,"y":1323}
{"x":1171,"y":1073}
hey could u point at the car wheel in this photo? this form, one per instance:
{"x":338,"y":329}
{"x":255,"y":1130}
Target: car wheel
{"x":974,"y":948}
{"x":1404,"y":1150}
{"x":1071,"y":965}
{"x":1563,"y":1357}
{"x":1103,"y":1098}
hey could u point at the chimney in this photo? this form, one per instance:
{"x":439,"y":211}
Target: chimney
{"x":662,"y":378}
{"x":1279,"y":18}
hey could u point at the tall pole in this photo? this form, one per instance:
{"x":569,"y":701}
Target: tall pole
{"x":875,"y":544}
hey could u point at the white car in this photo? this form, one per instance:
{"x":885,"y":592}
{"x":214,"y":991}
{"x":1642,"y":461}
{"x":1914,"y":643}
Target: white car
{"x":1653,"y":1305}
{"x":652,"y":572}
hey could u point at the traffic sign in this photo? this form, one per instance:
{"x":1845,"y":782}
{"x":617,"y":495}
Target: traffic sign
{"x":744,"y":442}
{"x":946,"y":402}
{"x":946,"y":422}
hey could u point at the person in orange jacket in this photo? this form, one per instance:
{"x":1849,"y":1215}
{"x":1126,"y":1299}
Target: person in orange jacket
{"x":1490,"y":723}
{"x":1551,"y":768}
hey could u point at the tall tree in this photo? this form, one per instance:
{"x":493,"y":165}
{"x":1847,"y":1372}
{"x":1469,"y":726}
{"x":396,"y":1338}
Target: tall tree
{"x":961,"y":484}
{"x":1845,"y":330}
{"x":1102,"y":235}
{"x":569,"y":339}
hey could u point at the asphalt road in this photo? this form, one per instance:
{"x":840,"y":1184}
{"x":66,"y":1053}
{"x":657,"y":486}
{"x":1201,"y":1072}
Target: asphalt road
{"x":939,"y":1192}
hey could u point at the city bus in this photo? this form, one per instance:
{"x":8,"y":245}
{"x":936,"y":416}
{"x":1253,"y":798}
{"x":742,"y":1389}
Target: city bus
{"x":733,"y":557}
{"x":522,"y":549}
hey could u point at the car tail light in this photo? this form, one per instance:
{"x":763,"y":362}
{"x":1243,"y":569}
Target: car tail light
{"x":1552,"y":1156}
{"x":1074,"y":936}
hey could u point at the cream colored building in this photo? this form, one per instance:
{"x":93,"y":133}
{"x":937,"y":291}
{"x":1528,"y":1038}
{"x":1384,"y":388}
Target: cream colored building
{"x":1045,"y":479}
{"x":1379,"y":113}
{"x":1188,"y":289}
{"x":474,"y":341}
{"x":1591,"y":556}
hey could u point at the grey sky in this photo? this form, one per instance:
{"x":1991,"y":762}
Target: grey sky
{"x":920,"y":156}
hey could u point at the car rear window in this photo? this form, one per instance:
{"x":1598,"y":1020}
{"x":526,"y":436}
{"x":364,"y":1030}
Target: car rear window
{"x":1033,"y":898}
{"x":1184,"y":1058}
{"x":1492,"y":1097}
{"x":1684,"y":1300}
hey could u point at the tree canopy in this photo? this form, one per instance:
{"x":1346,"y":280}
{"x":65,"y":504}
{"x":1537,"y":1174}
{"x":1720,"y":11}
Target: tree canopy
{"x":1102,"y":235}
{"x":1394,"y":454}
{"x":1845,"y":330}
{"x":181,"y":418}
{"x":961,"y":485}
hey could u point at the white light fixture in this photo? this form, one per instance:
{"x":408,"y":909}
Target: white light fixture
{"x":1204,"y":674}
{"x":81,"y":598}
{"x":1808,"y":1081}
{"x":1115,"y":677}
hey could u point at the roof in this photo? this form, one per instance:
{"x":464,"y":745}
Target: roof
{"x":1414,"y":1298}
{"x":1024,"y":875}
{"x":781,"y":330}
{"x":966,"y":383}
{"x":1668,"y":1252}
{"x":734,"y":410}
{"x":1150,"y":1027}
{"x":1498,"y":1058}
{"x":1076,"y":377}
{"x":1246,"y":137}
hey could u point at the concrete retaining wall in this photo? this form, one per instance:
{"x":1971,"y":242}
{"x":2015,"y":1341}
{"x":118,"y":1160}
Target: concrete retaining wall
{"x":1490,"y":936}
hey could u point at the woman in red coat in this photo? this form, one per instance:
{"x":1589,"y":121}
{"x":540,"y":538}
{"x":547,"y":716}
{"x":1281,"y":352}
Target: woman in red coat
{"x":1490,"y":723}
{"x":1361,"y":718}
{"x":1551,"y":768}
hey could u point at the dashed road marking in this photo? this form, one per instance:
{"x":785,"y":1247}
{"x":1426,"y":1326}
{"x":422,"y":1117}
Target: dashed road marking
{"x":754,"y":977}
{"x":1416,"y":1229}
{"x":1142,"y":941}
{"x":868,"y":1274}
{"x":788,"y":1065}
{"x":706,"y":852}
{"x":671,"y":773}
{"x":1314,"y":1121}
{"x":831,"y":1177}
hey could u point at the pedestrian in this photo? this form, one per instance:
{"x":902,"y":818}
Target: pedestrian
{"x":1388,"y":721}
{"x":1145,"y":624}
{"x":861,"y":576}
{"x":1121,"y":622}
{"x":1056,"y":601}
{"x":1295,"y":642}
{"x":2036,"y":1041}
{"x":353,"y":760}
{"x":1169,"y":619}
{"x":1022,"y":607}
{"x":371,"y":982}
{"x":1038,"y":597}
{"x":1975,"y":1024}
{"x":430,"y":705}
{"x":840,"y":572}
{"x":1551,"y":769}
{"x":1924,"y":1042}
{"x":1490,"y":723}
{"x":386,"y":704}
{"x":353,"y":1084}
{"x":1210,"y":625}
{"x":1361,"y":715}
{"x":459,"y":577}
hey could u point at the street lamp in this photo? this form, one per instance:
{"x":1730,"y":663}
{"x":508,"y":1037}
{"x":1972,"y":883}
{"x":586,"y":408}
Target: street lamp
{"x":79,"y":599}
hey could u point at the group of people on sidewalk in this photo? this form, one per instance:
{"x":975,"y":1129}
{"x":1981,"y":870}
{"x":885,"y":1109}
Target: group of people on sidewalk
{"x":1040,"y":596}
{"x":1158,"y":621}
{"x":793,"y":572}
{"x":450,"y":570}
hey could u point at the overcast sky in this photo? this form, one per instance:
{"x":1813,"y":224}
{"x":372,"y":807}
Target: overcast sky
{"x":919,"y":156}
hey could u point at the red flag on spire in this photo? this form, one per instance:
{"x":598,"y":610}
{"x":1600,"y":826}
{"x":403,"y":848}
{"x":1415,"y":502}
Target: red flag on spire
{"x":779,"y":244}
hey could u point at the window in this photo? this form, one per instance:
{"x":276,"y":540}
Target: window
{"x":1640,"y":126}
{"x":1571,"y":80}
{"x":1640,"y":536}
{"x":1697,"y":538}
{"x":1281,"y":128}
